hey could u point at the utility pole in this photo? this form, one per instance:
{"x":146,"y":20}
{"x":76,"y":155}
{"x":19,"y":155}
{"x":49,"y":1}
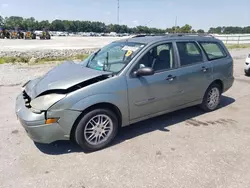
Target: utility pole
{"x":118,"y":12}
{"x":175,"y":24}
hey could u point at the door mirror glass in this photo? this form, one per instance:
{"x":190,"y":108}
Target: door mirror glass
{"x":145,"y":71}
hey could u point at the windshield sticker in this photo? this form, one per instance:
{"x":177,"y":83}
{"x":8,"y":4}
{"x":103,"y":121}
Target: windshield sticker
{"x":133,"y":49}
{"x":129,"y":53}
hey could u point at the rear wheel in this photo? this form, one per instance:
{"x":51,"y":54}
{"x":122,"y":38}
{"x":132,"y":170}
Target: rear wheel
{"x":96,"y":129}
{"x":211,"y":99}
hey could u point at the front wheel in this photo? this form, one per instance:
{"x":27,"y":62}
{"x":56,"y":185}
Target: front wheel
{"x":96,"y":129}
{"x":211,"y":99}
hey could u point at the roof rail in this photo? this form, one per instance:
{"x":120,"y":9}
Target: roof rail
{"x":191,"y":34}
{"x":146,"y":35}
{"x":176,"y":35}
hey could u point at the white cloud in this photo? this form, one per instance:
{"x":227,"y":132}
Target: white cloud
{"x":5,"y":5}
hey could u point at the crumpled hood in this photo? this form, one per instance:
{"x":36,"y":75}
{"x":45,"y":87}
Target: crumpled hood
{"x":61,"y":77}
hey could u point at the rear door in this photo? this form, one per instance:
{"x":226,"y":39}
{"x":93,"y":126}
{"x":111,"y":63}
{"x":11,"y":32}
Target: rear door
{"x":221,"y":60}
{"x":195,"y":72}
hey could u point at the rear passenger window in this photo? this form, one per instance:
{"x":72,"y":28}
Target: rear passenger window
{"x":213,"y":50}
{"x":189,"y":53}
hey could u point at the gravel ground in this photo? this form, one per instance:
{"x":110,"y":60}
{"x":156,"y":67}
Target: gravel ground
{"x":56,"y":47}
{"x":183,"y":149}
{"x":46,"y":53}
{"x":56,"y":43}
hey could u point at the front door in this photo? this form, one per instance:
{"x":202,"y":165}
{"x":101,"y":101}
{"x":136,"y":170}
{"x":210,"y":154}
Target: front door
{"x":156,"y":93}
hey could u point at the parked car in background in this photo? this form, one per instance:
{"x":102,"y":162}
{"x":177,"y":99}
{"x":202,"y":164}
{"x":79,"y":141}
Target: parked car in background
{"x":125,"y":82}
{"x":247,"y":65}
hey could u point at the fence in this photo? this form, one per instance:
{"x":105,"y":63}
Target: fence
{"x":234,"y":38}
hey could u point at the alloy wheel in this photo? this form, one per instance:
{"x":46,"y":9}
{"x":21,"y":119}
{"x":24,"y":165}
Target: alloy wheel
{"x":98,"y":129}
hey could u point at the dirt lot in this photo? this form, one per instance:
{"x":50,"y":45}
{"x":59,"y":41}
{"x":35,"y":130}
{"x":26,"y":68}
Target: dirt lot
{"x":183,"y":149}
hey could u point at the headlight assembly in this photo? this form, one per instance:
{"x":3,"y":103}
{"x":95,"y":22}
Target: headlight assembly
{"x":45,"y":102}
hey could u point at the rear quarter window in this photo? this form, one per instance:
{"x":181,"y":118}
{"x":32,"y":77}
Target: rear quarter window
{"x":213,"y":50}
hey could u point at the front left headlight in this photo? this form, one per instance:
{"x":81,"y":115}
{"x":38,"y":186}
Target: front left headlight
{"x":45,"y":102}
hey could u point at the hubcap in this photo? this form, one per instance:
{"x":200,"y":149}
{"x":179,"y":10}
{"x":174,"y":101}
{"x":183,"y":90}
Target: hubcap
{"x":213,"y":98}
{"x":98,"y":129}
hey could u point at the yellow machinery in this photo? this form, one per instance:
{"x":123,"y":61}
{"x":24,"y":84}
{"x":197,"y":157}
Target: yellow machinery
{"x":4,"y":33}
{"x":45,"y":35}
{"x":13,"y":35}
{"x":30,"y":35}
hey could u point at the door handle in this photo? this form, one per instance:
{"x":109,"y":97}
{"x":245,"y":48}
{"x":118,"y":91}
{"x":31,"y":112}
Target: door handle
{"x":204,"y":69}
{"x":170,"y":77}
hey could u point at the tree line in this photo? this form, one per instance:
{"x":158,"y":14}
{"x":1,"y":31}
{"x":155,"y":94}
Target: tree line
{"x":20,"y":23}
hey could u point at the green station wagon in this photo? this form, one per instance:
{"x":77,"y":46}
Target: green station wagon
{"x":125,"y":82}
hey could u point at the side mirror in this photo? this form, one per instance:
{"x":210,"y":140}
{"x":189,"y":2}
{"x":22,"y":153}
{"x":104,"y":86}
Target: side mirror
{"x":145,"y":71}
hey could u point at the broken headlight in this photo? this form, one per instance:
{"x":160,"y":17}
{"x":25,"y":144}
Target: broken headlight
{"x":44,"y":102}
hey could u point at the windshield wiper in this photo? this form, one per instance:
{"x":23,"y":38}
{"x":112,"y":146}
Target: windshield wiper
{"x":94,"y":55}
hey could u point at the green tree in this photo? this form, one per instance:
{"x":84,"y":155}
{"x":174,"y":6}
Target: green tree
{"x":186,"y":29}
{"x":174,"y":29}
{"x":14,"y":22}
{"x":29,"y":24}
{"x":1,"y":21}
{"x":216,"y":30}
{"x":246,"y":29}
{"x":57,"y":25}
{"x":43,"y":25}
{"x":200,"y":31}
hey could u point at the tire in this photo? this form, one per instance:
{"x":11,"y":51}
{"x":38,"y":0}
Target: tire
{"x":247,"y":72}
{"x":82,"y":134}
{"x":206,"y":105}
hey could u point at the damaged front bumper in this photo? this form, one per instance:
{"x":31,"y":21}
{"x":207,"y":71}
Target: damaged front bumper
{"x":34,"y":124}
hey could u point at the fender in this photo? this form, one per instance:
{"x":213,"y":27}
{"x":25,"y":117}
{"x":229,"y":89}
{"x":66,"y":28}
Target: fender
{"x":116,"y":100}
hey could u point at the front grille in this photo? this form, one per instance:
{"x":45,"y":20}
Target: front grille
{"x":26,"y":99}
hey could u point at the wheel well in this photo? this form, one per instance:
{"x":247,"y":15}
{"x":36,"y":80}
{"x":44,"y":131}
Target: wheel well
{"x":219,"y":82}
{"x":109,"y":106}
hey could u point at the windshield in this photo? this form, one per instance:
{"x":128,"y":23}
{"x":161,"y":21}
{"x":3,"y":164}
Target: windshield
{"x":113,"y":57}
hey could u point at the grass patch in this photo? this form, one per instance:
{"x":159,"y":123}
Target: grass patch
{"x":14,"y":59}
{"x":237,"y":46}
{"x":41,"y":60}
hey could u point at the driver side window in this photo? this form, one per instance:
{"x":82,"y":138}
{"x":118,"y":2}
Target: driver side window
{"x":159,"y":58}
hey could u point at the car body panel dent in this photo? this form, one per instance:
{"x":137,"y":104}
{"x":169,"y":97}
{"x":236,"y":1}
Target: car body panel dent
{"x":62,"y":77}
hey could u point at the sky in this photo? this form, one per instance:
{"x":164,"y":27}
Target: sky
{"x":152,"y":13}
